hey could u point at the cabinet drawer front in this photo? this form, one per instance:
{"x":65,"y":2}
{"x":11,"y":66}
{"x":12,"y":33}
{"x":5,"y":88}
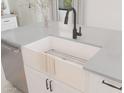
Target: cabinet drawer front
{"x":8,"y":23}
{"x":69,"y":73}
{"x":8,"y":20}
{"x":98,"y":84}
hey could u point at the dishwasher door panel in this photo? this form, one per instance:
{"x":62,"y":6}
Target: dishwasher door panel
{"x":13,"y":66}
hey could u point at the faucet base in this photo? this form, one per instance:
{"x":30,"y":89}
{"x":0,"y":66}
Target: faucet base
{"x":74,"y":37}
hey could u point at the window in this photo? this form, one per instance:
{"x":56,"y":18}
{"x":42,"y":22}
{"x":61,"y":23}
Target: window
{"x":65,"y":4}
{"x":60,"y":7}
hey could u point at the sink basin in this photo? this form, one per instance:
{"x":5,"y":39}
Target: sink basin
{"x":65,"y":46}
{"x":42,"y":55}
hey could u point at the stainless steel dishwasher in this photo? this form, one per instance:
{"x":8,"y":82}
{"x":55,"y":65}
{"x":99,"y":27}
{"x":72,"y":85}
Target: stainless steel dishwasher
{"x":13,"y":66}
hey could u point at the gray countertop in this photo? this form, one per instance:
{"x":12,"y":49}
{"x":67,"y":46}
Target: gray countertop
{"x":8,"y":16}
{"x":107,"y":62}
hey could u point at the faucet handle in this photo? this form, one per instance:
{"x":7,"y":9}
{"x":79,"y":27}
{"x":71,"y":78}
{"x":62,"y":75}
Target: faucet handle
{"x":79,"y":34}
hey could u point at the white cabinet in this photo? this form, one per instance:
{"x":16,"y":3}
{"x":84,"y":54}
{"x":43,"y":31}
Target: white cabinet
{"x":66,"y":71}
{"x":8,"y":22}
{"x":62,"y":63}
{"x":99,"y":84}
{"x":35,"y":81}
{"x":40,"y":83}
{"x":62,"y":88}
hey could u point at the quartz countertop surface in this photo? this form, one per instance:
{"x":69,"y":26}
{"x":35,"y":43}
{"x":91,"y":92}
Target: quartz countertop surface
{"x":107,"y":62}
{"x":8,"y":16}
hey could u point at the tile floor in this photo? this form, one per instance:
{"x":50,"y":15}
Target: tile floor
{"x":6,"y":87}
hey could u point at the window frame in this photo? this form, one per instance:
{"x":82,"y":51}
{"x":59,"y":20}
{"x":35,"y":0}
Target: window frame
{"x":78,"y":5}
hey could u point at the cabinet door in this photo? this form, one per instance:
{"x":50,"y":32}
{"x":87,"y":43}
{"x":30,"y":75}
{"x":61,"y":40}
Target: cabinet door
{"x":98,"y":84}
{"x":70,"y":73}
{"x":40,"y":83}
{"x":58,"y":87}
{"x":36,"y":81}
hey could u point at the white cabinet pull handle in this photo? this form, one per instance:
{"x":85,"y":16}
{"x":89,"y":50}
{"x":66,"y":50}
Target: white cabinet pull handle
{"x":113,"y":86}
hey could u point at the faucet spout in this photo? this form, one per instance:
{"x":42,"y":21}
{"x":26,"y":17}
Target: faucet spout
{"x":75,"y":33}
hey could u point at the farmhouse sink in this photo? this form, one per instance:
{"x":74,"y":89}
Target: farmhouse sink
{"x":65,"y":46}
{"x":39,"y":54}
{"x":58,"y":57}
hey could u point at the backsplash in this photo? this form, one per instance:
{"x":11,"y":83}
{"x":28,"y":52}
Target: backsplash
{"x":32,"y":11}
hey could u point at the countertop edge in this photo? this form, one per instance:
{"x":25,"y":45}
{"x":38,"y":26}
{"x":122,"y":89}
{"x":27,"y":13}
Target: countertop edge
{"x":95,"y":72}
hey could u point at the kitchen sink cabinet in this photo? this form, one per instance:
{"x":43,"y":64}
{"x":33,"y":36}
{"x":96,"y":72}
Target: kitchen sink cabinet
{"x":99,"y":84}
{"x":41,"y":83}
{"x":58,"y":58}
{"x":68,"y":72}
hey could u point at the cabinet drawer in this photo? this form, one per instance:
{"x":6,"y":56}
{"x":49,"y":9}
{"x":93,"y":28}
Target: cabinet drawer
{"x":5,"y":21}
{"x":99,"y":84}
{"x":8,"y":23}
{"x":70,"y":73}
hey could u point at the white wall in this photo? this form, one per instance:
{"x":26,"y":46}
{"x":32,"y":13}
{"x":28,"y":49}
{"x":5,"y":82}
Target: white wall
{"x":99,"y":13}
{"x":103,"y":13}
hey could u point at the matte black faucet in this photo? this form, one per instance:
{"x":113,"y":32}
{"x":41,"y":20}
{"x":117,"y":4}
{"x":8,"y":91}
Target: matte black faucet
{"x":75,"y":33}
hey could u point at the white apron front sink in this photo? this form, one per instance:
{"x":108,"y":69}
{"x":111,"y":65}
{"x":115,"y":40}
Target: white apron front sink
{"x":56,"y":56}
{"x":34,"y":54}
{"x":68,"y":47}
